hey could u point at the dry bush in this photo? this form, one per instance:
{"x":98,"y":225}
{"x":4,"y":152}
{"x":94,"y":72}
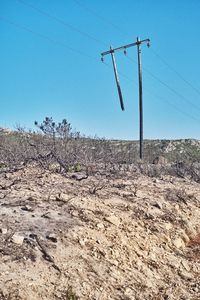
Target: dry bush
{"x":59,"y":148}
{"x":177,"y":195}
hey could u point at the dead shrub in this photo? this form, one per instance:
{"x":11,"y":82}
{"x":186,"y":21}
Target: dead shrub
{"x":179,"y":196}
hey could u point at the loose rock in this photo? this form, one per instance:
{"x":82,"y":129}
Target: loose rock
{"x":178,"y":243}
{"x":3,"y":230}
{"x":17,"y":239}
{"x":100,"y":226}
{"x":52,"y":237}
{"x":113,"y":220}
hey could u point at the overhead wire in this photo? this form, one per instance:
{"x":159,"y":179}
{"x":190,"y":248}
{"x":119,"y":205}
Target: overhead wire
{"x":155,"y":95}
{"x":68,"y":48}
{"x":153,"y":51}
{"x":150,"y":73}
{"x":175,"y":71}
{"x":43,"y":12}
{"x":105,"y":20}
{"x":156,"y":54}
{"x":177,"y":108}
{"x":63,"y":22}
{"x":94,"y":39}
{"x":167,"y":86}
{"x":158,"y":96}
{"x":47,"y":38}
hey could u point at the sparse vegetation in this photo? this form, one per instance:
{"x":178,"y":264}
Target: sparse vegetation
{"x":95,"y":225}
{"x":57,"y":147}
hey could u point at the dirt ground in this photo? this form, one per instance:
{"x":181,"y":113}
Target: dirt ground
{"x":99,"y":238}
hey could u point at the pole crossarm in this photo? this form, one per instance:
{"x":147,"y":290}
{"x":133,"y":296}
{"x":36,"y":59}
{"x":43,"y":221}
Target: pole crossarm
{"x":125,"y":47}
{"x":112,"y":51}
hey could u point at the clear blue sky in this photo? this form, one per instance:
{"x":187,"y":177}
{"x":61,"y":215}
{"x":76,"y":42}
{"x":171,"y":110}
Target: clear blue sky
{"x":40,"y":76}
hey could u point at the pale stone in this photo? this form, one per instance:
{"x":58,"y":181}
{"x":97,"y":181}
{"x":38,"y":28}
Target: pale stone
{"x":82,"y":242}
{"x":27,"y":208}
{"x":3,"y":230}
{"x":168,"y":226}
{"x":179,"y":243}
{"x":158,"y":204}
{"x":100,"y":226}
{"x":155,"y":180}
{"x":17,"y":239}
{"x":113,"y":220}
{"x":185,"y":264}
{"x":174,"y":262}
{"x":114,"y":262}
{"x":129,"y":294}
{"x":185,"y":237}
{"x":186,"y":275}
{"x":75,"y":213}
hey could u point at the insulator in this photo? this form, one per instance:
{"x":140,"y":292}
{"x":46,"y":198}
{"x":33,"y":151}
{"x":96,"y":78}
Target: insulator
{"x":125,"y":52}
{"x":102,"y":59}
{"x":148,"y":44}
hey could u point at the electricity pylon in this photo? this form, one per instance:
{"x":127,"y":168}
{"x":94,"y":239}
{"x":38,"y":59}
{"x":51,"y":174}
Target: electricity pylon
{"x":112,"y":51}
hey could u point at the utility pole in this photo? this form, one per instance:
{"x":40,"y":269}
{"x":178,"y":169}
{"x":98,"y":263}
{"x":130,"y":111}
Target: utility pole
{"x":112,"y":51}
{"x":140,"y":96}
{"x":117,"y":79}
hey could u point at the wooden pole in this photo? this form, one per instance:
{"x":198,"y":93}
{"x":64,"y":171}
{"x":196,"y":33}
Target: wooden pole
{"x":117,"y":79}
{"x":140,"y":97}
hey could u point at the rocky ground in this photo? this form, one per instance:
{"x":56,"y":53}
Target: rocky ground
{"x":99,"y":238}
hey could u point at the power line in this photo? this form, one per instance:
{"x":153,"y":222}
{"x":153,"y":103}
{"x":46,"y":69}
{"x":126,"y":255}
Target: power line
{"x":167,"y":86}
{"x":190,"y":116}
{"x":175,"y":106}
{"x":164,"y":99}
{"x":97,"y":40}
{"x":158,"y":96}
{"x":105,"y":20}
{"x":155,"y":53}
{"x":66,"y":24}
{"x":22,"y":27}
{"x":175,"y":71}
{"x":69,"y":48}
{"x":47,"y":38}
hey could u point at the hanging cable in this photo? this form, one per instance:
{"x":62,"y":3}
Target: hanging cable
{"x":130,"y":81}
{"x":47,"y":38}
{"x":96,"y":40}
{"x":66,"y":24}
{"x":105,"y":20}
{"x":106,"y":64}
{"x":155,"y":53}
{"x":174,"y":105}
{"x":167,"y":86}
{"x":175,"y":71}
